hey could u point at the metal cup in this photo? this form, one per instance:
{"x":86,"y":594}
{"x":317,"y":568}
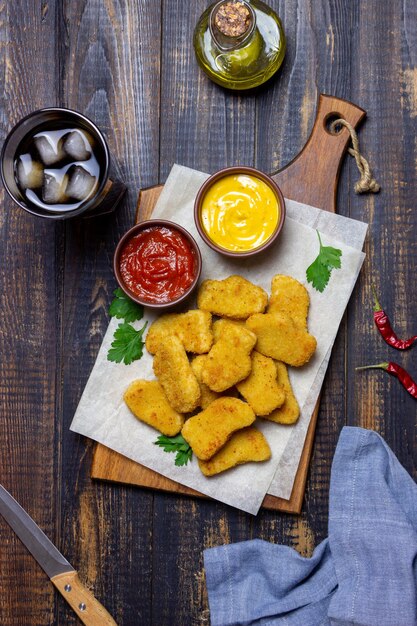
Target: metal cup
{"x":110,"y":188}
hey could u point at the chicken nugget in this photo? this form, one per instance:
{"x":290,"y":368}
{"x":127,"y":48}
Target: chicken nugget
{"x":228,"y":361}
{"x":233,"y":297}
{"x":173,"y":370}
{"x":281,"y":338}
{"x":261,"y":389}
{"x":209,"y":430}
{"x":289,"y":296}
{"x":231,"y":330}
{"x":148,"y":402}
{"x":245,"y":446}
{"x":193,"y":328}
{"x":289,"y":412}
{"x":207,"y":395}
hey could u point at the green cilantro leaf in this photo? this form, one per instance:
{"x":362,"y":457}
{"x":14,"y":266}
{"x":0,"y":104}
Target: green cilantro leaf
{"x":124,"y":308}
{"x":318,"y":273}
{"x":171,"y":444}
{"x":331,"y":257}
{"x":176,"y":444}
{"x":127,"y":345}
{"x":183,"y":457}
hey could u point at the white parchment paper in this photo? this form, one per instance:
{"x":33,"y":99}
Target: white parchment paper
{"x":102,"y":414}
{"x":350,"y":232}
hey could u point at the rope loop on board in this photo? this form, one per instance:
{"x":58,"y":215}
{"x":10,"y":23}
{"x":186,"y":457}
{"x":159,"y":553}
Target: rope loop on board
{"x":367,"y":182}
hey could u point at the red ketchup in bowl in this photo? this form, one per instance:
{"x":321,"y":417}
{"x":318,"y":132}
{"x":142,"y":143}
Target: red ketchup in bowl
{"x":158,"y":264}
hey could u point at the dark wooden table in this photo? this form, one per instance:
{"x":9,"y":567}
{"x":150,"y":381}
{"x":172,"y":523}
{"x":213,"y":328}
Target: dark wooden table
{"x":129,"y":65}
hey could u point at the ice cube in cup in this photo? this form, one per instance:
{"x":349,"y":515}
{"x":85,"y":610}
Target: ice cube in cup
{"x":78,"y":145}
{"x":54,"y":187}
{"x":81,"y":183}
{"x":50,"y":147}
{"x":29,"y":172}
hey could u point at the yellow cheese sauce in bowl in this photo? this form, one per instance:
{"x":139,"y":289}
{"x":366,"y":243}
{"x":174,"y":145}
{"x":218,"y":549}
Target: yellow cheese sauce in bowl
{"x":239,"y":211}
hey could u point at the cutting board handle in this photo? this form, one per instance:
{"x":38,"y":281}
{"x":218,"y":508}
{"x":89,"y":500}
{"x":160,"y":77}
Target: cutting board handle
{"x":313,"y":175}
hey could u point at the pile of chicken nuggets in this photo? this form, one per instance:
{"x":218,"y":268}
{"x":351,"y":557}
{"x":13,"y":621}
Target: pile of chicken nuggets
{"x":214,"y":377}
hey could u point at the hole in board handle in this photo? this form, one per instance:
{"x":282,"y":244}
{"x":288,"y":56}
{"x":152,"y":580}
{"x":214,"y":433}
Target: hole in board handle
{"x":329,"y":120}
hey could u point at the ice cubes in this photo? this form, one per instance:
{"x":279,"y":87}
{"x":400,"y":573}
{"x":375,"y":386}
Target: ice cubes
{"x":54,"y":187}
{"x":50,"y":147}
{"x":81,"y":183}
{"x":58,"y":168}
{"x":78,"y":145}
{"x":29,"y":172}
{"x":66,"y":184}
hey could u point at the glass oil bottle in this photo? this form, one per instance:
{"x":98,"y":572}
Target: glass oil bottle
{"x":240,"y":44}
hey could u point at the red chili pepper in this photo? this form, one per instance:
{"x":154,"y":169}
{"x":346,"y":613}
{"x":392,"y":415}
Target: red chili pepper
{"x":384,"y":326}
{"x":399,"y":372}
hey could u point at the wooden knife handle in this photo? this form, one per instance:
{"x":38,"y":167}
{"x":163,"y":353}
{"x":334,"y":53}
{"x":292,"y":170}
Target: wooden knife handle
{"x":82,"y":601}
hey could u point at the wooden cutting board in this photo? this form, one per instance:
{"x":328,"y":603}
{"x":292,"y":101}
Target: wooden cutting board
{"x":312,"y":178}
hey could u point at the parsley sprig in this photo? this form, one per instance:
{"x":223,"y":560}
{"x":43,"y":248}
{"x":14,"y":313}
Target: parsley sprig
{"x":128,"y":342}
{"x":124,"y":308}
{"x":176,"y":444}
{"x":318,"y":273}
{"x":127,"y":345}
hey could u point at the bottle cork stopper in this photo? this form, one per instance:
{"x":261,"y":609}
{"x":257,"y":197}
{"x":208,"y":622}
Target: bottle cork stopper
{"x":233,"y":18}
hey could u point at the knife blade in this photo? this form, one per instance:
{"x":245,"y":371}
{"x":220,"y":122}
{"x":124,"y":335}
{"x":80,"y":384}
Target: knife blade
{"x":61,"y":573}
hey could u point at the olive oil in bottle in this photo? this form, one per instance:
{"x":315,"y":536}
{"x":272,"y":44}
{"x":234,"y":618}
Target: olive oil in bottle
{"x":240,"y":44}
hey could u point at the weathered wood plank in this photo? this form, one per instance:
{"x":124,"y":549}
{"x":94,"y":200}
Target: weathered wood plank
{"x":202,"y":125}
{"x":28,"y":334}
{"x":110,"y":71}
{"x":386,"y":86}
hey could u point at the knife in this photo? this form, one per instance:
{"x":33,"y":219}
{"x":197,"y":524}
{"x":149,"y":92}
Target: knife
{"x":60,"y":572}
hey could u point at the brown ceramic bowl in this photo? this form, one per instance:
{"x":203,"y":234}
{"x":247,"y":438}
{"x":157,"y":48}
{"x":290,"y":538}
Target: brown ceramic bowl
{"x":127,"y":237}
{"x":251,"y":171}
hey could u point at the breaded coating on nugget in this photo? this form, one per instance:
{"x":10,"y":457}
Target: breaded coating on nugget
{"x":233,"y":297}
{"x":173,"y":370}
{"x":289,"y":412}
{"x":289,"y":296}
{"x":228,"y":361}
{"x":245,"y":446}
{"x":209,"y":430}
{"x":207,"y":395}
{"x":193,"y":328}
{"x":227,"y":329}
{"x":281,"y":338}
{"x":148,"y":402}
{"x":261,"y":389}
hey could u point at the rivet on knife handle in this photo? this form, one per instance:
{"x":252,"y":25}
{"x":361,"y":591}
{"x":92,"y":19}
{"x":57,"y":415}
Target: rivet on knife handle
{"x":82,"y":601}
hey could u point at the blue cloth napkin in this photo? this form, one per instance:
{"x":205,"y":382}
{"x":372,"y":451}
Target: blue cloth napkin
{"x":364,"y":574}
